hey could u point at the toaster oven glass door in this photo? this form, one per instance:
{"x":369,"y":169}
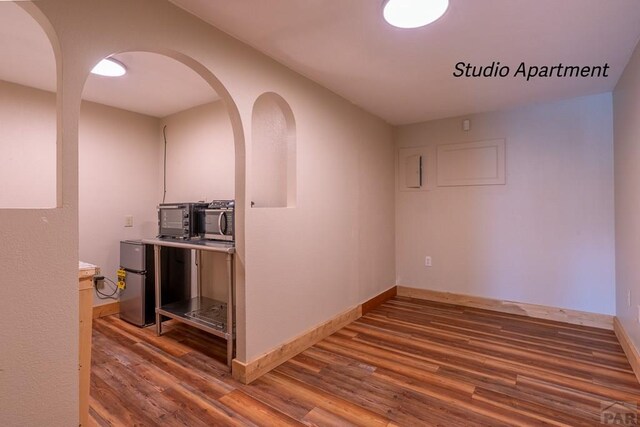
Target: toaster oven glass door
{"x":172,"y":222}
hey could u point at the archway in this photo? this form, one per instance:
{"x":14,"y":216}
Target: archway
{"x":190,"y":177}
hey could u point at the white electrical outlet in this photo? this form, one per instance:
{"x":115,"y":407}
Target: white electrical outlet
{"x":629,"y":298}
{"x":128,"y":221}
{"x":427,"y":261}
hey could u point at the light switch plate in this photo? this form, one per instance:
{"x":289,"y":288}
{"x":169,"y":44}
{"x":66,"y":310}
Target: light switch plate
{"x":128,"y":221}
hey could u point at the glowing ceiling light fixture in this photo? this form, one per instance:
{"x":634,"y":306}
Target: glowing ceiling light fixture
{"x":109,"y":67}
{"x":413,"y":13}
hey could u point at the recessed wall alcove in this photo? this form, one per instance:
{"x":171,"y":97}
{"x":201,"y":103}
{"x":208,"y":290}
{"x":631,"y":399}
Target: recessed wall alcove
{"x":273,"y":153}
{"x":28,"y":112}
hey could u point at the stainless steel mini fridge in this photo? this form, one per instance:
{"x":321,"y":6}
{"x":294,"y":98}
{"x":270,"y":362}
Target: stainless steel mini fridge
{"x":138,"y":299}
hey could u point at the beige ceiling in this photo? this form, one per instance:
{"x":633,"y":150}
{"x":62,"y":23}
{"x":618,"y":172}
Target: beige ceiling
{"x":405,"y":76}
{"x":154,"y":85}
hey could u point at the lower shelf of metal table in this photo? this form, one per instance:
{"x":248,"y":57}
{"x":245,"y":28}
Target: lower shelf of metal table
{"x":203,"y":313}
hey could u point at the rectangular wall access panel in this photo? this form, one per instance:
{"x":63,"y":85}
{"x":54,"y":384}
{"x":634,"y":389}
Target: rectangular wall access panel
{"x":471,"y":163}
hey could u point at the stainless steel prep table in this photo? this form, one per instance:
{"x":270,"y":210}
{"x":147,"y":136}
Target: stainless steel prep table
{"x":215,"y":317}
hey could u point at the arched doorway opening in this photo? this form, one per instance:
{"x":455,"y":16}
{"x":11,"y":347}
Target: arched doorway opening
{"x":166,"y":131}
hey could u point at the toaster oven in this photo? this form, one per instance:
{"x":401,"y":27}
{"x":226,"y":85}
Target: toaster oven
{"x":178,"y":220}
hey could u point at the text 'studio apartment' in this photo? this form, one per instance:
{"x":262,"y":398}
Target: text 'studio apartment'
{"x":323,"y":213}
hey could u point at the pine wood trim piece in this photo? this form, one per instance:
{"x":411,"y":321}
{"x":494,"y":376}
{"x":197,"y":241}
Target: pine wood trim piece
{"x":87,"y":273}
{"x":248,"y":372}
{"x":627,"y":345}
{"x":106,"y":309}
{"x":374,"y":302}
{"x":573,"y":317}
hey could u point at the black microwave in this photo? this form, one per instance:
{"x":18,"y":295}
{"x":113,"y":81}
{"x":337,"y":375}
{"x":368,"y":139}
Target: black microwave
{"x":178,"y":220}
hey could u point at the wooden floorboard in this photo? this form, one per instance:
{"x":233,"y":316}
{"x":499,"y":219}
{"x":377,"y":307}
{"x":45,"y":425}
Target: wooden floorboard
{"x":407,"y":362}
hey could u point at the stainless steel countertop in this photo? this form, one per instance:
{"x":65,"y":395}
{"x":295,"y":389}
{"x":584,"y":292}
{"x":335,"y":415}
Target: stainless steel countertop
{"x":197,"y":244}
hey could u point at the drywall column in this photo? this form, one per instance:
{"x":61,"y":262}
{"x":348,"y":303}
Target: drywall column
{"x":39,"y":283}
{"x":626,"y":111}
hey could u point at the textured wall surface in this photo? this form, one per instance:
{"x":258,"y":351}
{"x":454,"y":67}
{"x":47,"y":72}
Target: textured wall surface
{"x":545,"y":237}
{"x":626,"y":113}
{"x":118,"y":168}
{"x":295,"y":268}
{"x":27,"y":147}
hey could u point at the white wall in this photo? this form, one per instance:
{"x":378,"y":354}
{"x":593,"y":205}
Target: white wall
{"x":37,"y":350}
{"x":200,"y":154}
{"x":118,"y":170}
{"x":546,"y":237}
{"x":336,"y":249}
{"x":626,"y":113}
{"x":200,"y":166}
{"x":28,"y":153}
{"x":39,"y":291}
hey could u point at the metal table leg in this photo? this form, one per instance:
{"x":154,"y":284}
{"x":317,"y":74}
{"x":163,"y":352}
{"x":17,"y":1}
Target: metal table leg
{"x":199,"y":272}
{"x":230,"y":320}
{"x":158,"y":270}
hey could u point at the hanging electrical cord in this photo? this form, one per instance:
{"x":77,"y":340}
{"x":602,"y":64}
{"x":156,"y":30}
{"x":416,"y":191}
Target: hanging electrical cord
{"x":164,"y":193}
{"x":102,"y":295}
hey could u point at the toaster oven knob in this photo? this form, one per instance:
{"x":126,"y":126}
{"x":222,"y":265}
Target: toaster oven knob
{"x":185,"y":215}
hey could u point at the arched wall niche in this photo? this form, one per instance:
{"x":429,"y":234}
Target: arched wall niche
{"x":30,"y":141}
{"x":273,"y":136}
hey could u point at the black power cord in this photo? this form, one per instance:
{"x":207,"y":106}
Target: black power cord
{"x":102,"y":295}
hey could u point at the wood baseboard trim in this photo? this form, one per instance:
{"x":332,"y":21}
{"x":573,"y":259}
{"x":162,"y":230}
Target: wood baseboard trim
{"x":248,"y":372}
{"x":574,"y":317}
{"x":374,"y":302}
{"x":106,"y":309}
{"x":628,"y":347}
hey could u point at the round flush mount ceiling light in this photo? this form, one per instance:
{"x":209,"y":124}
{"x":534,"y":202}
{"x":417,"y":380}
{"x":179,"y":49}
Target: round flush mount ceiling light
{"x":109,"y":67}
{"x":413,"y":13}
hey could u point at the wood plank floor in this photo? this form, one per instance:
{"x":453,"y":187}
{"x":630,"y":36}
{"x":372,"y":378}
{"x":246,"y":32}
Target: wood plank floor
{"x":406,"y":363}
